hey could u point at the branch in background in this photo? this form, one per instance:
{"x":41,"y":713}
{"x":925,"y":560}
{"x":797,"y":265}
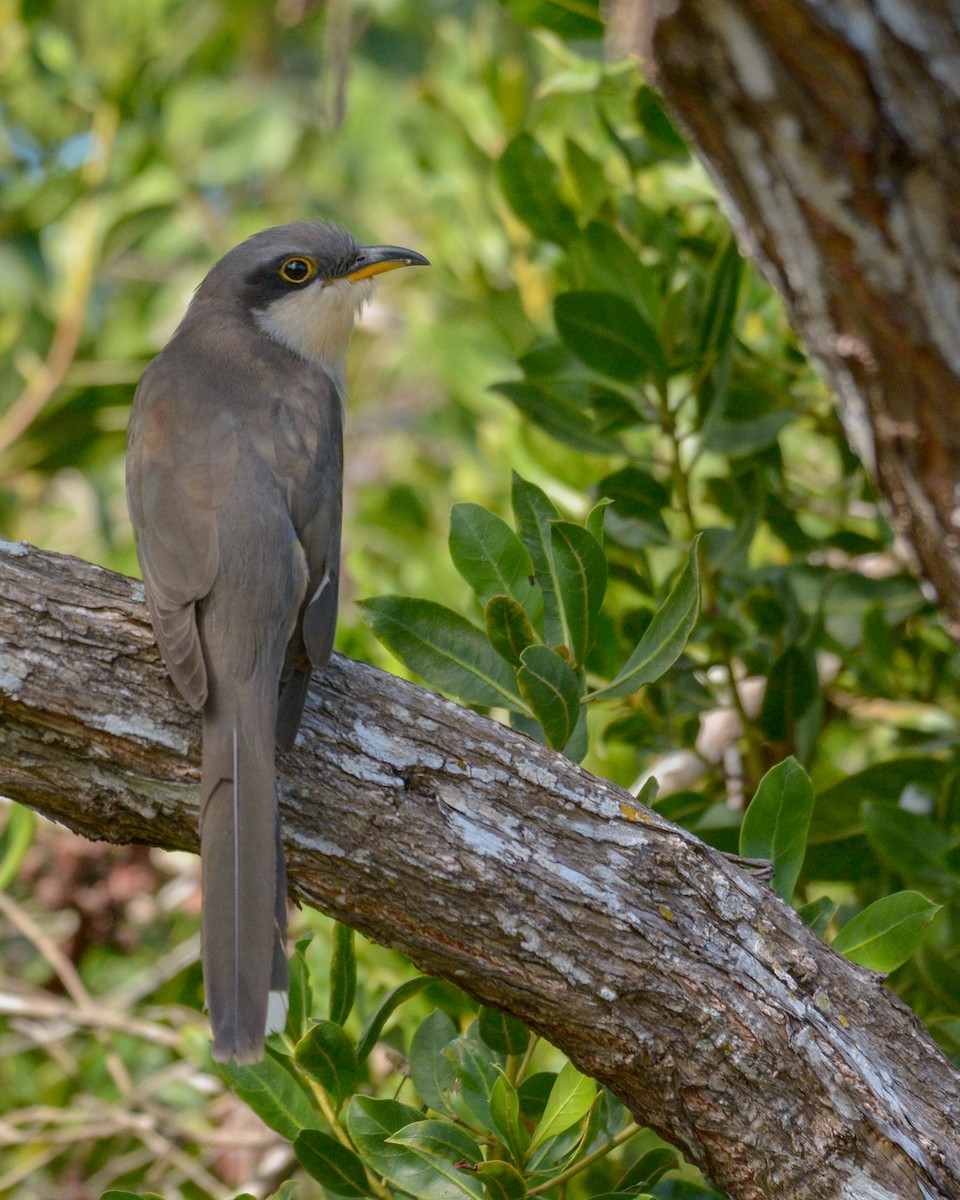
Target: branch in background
{"x":659,"y":968}
{"x":830,"y":131}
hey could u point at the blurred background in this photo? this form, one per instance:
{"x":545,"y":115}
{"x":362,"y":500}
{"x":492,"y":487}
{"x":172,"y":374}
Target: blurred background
{"x":140,"y":140}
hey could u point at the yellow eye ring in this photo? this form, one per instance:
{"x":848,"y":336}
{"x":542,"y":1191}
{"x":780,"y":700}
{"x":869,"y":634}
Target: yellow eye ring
{"x":298,"y":269}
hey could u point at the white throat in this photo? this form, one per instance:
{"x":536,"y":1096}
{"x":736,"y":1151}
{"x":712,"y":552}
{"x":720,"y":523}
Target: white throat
{"x":316,"y":323}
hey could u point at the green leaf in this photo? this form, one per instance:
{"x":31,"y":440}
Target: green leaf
{"x":501,"y":1181}
{"x":609,"y":335}
{"x":123,"y":1194}
{"x":528,"y":180}
{"x":550,"y":686}
{"x":503,"y":1033}
{"x":581,"y":573}
{"x":571,"y":19}
{"x":570,"y":1099}
{"x":558,"y":412}
{"x":477,"y":1071}
{"x":370,"y":1122}
{"x":443,"y":648}
{"x":648,"y":1169}
{"x":441,"y":1144}
{"x":594,"y":522}
{"x":792,"y":701}
{"x":887,"y":932}
{"x":301,"y":993}
{"x":665,"y":636}
{"x":534,"y":512}
{"x":720,"y":303}
{"x":15,"y":841}
{"x":328,"y":1056}
{"x":343,"y":973}
{"x":505,"y":1114}
{"x":658,"y":129}
{"x":776,"y":823}
{"x":508,"y":628}
{"x":273,"y":1093}
{"x":331,"y":1163}
{"x":534,"y":1092}
{"x":910,"y":844}
{"x":489,"y":555}
{"x":818,"y":914}
{"x":432,"y":1073}
{"x":384,"y":1010}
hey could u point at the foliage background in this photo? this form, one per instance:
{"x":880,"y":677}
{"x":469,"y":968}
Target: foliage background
{"x":138,"y":142}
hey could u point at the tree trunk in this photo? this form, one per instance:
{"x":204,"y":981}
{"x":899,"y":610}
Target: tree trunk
{"x":833,"y":131}
{"x":683,"y":984}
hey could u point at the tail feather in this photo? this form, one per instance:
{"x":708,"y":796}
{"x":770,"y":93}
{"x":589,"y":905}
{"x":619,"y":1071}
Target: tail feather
{"x":238,"y":839}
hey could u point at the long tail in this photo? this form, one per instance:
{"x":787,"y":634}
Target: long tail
{"x":244,"y":881}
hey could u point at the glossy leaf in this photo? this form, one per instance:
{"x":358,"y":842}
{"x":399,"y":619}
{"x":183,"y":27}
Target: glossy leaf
{"x":528,"y":180}
{"x":431,"y":1071}
{"x":550,"y":687}
{"x":488,"y":554}
{"x":273,"y":1094}
{"x":887,"y":932}
{"x":577,"y":20}
{"x":665,"y":636}
{"x":508,"y":628}
{"x":343,"y":973}
{"x":476,"y":1067}
{"x":570,"y":1100}
{"x":776,"y":823}
{"x":370,"y":1121}
{"x":501,"y":1032}
{"x":331,"y":1163}
{"x":559,"y":413}
{"x":384,"y":1010}
{"x":501,"y":1181}
{"x":581,"y":573}
{"x":649,"y":1167}
{"x":609,"y":334}
{"x":443,"y":648}
{"x":301,"y":993}
{"x":534,"y":512}
{"x":818,"y":914}
{"x":328,"y":1056}
{"x":441,"y":1144}
{"x":505,"y":1114}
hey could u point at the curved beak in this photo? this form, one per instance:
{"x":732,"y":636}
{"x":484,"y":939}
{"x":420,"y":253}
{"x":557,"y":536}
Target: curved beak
{"x":373,"y":260}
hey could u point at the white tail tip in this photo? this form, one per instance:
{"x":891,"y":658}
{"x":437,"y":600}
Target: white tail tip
{"x":278,"y":1005}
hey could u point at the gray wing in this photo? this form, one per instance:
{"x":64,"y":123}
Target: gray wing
{"x":179,"y":472}
{"x":307,"y":452}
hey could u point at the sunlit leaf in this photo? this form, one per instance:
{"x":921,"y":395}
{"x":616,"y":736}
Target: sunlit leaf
{"x":887,"y":932}
{"x":443,"y":648}
{"x":776,"y":823}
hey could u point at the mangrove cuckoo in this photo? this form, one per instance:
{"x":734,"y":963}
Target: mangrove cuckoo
{"x":234,"y":483}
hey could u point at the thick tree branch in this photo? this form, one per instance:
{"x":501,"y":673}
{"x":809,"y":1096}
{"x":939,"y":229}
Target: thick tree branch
{"x":831,"y":130}
{"x":663,"y":971}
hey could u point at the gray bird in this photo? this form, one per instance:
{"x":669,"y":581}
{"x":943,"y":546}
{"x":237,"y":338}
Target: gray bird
{"x":234,"y":484}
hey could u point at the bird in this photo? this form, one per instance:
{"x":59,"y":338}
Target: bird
{"x":234,"y":471}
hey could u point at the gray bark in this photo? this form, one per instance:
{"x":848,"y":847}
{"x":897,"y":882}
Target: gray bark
{"x":662,"y":970}
{"x":833,"y":131}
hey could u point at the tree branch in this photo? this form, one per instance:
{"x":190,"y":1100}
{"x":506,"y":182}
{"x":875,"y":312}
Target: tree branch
{"x":662,"y":970}
{"x":830,"y":129}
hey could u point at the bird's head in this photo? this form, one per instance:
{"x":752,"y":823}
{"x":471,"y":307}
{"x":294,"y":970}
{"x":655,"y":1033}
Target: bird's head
{"x":303,"y":284}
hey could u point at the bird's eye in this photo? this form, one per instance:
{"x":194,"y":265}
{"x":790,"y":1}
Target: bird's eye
{"x":298,"y":270}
